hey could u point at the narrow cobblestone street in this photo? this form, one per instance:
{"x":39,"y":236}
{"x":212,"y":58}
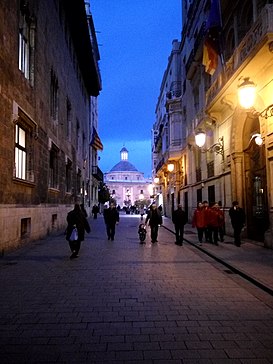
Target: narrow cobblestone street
{"x":123,"y":302}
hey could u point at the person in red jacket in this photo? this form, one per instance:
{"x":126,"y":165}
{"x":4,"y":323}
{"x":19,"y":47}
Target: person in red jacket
{"x":199,"y":221}
{"x":213,"y":223}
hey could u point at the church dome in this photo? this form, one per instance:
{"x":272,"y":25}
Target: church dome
{"x":124,"y":166}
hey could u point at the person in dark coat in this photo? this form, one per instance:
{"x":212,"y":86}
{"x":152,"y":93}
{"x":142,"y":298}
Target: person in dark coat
{"x":76,"y":218}
{"x":154,"y":219}
{"x":83,"y":210}
{"x":237,"y":217}
{"x":179,"y":219}
{"x":95,"y":211}
{"x":111,"y":219}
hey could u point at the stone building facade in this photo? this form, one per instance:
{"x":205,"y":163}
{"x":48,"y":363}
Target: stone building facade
{"x":126,"y":184}
{"x":230,"y":165}
{"x":48,"y":88}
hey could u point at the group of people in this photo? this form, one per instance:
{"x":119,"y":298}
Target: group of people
{"x":208,"y":220}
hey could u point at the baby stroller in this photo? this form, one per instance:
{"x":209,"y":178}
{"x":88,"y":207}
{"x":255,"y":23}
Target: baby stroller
{"x":142,"y":233}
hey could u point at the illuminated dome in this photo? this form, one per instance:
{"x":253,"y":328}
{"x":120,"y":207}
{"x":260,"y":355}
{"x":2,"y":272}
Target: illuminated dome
{"x":124,"y":165}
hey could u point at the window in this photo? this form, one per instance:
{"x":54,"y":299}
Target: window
{"x":23,"y":153}
{"x":199,"y":195}
{"x":26,"y":43}
{"x":53,"y":167}
{"x":24,"y":50}
{"x":25,"y":227}
{"x":68,"y":176}
{"x":54,"y":90}
{"x":20,"y":152}
{"x":78,"y":181}
{"x":77,"y":135}
{"x":211,"y":194}
{"x":68,"y":119}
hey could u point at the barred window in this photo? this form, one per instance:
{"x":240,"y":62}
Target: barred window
{"x":54,"y":98}
{"x":53,"y":167}
{"x":68,"y":175}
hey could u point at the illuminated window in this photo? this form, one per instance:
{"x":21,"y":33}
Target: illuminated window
{"x":26,"y":43}
{"x":23,"y":148}
{"x":20,"y":152}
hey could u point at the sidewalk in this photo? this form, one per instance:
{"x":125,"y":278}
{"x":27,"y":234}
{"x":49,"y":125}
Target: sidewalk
{"x":251,"y":260}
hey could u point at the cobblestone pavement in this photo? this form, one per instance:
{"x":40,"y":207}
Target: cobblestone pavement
{"x":123,"y":302}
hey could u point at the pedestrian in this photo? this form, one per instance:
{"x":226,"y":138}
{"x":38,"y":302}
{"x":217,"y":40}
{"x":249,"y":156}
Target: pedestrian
{"x":141,"y":211}
{"x":179,"y":219}
{"x":213,"y":223}
{"x":237,"y":217}
{"x":76,"y":218}
{"x":111,"y":219}
{"x":221,"y":229}
{"x":154,"y":219}
{"x":206,"y":208}
{"x":199,"y":221}
{"x":95,"y":211}
{"x":83,"y":210}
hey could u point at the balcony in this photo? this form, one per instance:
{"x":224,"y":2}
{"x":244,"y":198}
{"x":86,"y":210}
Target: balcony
{"x":97,"y":173}
{"x":259,"y":35}
{"x":159,"y":165}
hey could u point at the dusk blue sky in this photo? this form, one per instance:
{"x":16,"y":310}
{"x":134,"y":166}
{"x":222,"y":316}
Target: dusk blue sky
{"x":135,"y":39}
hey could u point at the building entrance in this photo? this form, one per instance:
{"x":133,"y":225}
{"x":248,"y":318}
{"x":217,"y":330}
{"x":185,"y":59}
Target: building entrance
{"x":256,"y":192}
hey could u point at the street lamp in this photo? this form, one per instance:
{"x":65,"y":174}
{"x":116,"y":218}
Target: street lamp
{"x":156,"y":180}
{"x":247,"y":96}
{"x":170,"y":167}
{"x":247,"y":93}
{"x":218,"y":148}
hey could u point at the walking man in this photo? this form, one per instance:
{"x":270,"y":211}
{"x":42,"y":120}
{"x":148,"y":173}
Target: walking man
{"x":76,"y":218}
{"x":237,"y":217}
{"x":154,"y":218}
{"x":179,"y":219}
{"x":111,"y":219}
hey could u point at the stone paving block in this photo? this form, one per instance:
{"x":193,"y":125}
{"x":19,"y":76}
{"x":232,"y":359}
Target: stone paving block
{"x":210,"y":354}
{"x":157,"y":354}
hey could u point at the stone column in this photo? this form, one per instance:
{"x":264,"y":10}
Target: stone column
{"x":237,"y":178}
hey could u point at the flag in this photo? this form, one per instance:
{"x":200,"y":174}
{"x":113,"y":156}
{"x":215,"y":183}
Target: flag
{"x":96,"y":142}
{"x":212,"y":43}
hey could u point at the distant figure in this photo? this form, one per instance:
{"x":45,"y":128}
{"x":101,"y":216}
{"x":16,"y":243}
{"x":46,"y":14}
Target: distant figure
{"x":206,"y":209}
{"x":154,"y":219}
{"x":95,"y":211}
{"x":221,"y":229}
{"x":237,"y":217}
{"x":83,"y":210}
{"x":76,"y":218}
{"x":111,"y":218}
{"x":141,"y":211}
{"x":179,"y":219}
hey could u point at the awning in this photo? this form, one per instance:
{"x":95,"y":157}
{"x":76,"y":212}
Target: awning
{"x":95,"y":141}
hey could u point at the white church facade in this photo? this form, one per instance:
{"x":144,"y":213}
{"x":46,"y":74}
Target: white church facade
{"x":127,"y":186}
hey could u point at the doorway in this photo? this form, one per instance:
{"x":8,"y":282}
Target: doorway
{"x":256,"y":203}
